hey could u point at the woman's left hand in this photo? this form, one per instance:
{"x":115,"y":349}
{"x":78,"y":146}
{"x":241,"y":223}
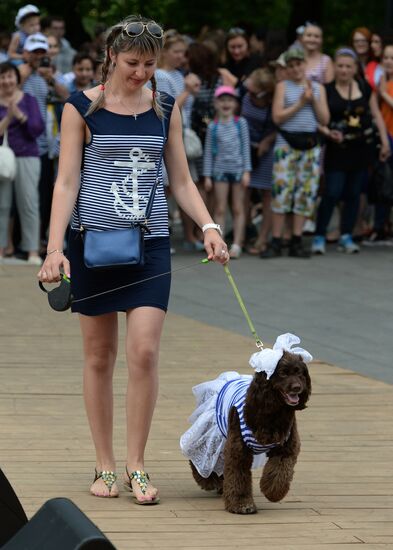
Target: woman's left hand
{"x":384,"y":153}
{"x":217,"y":250}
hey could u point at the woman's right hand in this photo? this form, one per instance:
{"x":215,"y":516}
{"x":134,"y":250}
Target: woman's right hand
{"x":50,"y":269}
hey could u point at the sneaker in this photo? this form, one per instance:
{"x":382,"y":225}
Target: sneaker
{"x":235,"y":251}
{"x":309,"y":227}
{"x":347,"y":245}
{"x":34,"y":260}
{"x":297,"y":250}
{"x":318,"y":245}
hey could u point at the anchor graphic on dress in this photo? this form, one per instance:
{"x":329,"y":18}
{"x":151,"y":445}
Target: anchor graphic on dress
{"x":138,"y":167}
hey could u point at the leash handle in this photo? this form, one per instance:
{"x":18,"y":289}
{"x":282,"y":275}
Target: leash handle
{"x":258,"y":341}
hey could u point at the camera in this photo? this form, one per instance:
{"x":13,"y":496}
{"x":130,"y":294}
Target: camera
{"x":45,"y":62}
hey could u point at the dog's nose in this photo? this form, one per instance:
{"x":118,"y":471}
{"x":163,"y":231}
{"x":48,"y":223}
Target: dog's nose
{"x":296,"y":387}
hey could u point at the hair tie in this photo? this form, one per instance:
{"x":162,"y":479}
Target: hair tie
{"x":102,"y":87}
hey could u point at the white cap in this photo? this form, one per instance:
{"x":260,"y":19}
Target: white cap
{"x":36,"y":41}
{"x":30,"y":9}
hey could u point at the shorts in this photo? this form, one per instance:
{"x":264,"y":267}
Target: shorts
{"x":295,"y":180}
{"x":227,"y":177}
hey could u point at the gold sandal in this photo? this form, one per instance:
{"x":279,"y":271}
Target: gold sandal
{"x":109,"y":478}
{"x":142,"y":479}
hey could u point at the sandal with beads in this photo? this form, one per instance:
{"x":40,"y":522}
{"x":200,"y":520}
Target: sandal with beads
{"x":109,"y":478}
{"x":142,"y":479}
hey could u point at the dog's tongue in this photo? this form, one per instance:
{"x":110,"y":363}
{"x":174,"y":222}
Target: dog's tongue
{"x":293,"y":398}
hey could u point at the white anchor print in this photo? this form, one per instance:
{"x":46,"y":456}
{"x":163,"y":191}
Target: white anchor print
{"x":139,"y":164}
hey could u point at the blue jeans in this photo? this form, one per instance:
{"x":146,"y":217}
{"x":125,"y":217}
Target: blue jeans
{"x":344,"y":186}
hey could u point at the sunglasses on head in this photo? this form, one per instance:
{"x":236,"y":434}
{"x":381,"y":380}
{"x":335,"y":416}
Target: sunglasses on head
{"x":236,"y":31}
{"x":136,"y":28}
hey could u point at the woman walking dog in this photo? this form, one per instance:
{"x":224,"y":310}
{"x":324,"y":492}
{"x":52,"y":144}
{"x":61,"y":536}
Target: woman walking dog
{"x":116,"y":132}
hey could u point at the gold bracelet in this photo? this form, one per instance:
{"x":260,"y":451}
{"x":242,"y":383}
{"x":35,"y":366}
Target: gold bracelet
{"x":53,"y":251}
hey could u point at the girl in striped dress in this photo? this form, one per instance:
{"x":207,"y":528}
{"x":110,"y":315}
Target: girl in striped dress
{"x":227,"y":163}
{"x":117,"y":133}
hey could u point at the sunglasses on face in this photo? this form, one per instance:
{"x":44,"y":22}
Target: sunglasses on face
{"x":136,"y":28}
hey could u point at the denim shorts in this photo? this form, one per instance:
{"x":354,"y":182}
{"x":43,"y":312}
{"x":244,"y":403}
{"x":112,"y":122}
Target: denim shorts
{"x":227,"y":177}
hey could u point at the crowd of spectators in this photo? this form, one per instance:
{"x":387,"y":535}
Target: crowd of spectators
{"x":281,"y":140}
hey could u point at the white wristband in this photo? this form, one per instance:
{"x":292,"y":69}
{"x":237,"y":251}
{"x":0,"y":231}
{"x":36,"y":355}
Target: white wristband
{"x":211,"y":226}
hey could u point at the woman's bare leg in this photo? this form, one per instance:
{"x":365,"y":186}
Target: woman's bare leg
{"x":100,"y":349}
{"x":144,"y":327}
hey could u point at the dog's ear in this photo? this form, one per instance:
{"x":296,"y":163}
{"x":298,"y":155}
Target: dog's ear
{"x":305,"y":395}
{"x":260,"y":400}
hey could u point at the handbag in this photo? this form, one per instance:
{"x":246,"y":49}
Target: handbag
{"x":105,"y":249}
{"x":192,"y":144}
{"x":7,"y":161}
{"x":301,"y":140}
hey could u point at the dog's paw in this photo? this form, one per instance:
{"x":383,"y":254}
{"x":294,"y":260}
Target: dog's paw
{"x":247,"y":507}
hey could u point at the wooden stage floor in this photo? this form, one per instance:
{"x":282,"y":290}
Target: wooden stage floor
{"x":342,"y":494}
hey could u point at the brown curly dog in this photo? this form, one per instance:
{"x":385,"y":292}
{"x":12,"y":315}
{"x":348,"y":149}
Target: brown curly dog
{"x":269,"y":412}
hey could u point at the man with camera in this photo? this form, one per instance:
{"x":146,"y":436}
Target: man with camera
{"x":39,"y":80}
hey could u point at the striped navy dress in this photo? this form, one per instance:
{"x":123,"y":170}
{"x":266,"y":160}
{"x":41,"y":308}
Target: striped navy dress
{"x":233,"y":394}
{"x":118,"y":170}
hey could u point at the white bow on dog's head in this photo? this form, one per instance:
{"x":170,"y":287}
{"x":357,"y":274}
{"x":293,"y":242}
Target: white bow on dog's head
{"x":267,"y":359}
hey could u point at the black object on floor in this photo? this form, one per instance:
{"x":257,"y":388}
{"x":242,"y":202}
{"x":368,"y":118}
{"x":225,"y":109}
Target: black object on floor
{"x":12,"y":515}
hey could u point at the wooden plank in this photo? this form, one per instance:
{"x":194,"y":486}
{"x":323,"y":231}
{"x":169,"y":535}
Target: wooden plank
{"x":342,"y":494}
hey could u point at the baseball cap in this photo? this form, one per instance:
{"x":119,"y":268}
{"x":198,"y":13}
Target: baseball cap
{"x":36,"y":41}
{"x":29,"y":9}
{"x":225,"y":90}
{"x":294,"y":53}
{"x":280,"y":61}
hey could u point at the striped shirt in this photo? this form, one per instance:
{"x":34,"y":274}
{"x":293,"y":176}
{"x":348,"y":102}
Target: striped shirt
{"x":303,"y":120}
{"x":119,"y":168}
{"x":227,"y":148}
{"x":36,"y":86}
{"x":233,"y":394}
{"x":172,"y":83}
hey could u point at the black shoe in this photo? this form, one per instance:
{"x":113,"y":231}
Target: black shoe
{"x":273,"y":250}
{"x":296,"y":250}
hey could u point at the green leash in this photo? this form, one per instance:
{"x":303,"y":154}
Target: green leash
{"x":258,"y":341}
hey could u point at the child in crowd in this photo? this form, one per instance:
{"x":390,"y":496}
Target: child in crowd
{"x":27,"y":21}
{"x":83,"y":69}
{"x":227,"y":163}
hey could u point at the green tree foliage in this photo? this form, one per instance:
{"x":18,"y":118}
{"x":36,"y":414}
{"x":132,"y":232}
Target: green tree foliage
{"x":338,"y":17}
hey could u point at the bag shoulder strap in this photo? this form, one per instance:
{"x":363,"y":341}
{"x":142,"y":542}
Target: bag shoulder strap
{"x":5,"y":138}
{"x":157,"y":180}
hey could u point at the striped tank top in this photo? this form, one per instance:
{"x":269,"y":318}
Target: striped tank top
{"x":119,"y":168}
{"x":303,"y":120}
{"x":233,"y":394}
